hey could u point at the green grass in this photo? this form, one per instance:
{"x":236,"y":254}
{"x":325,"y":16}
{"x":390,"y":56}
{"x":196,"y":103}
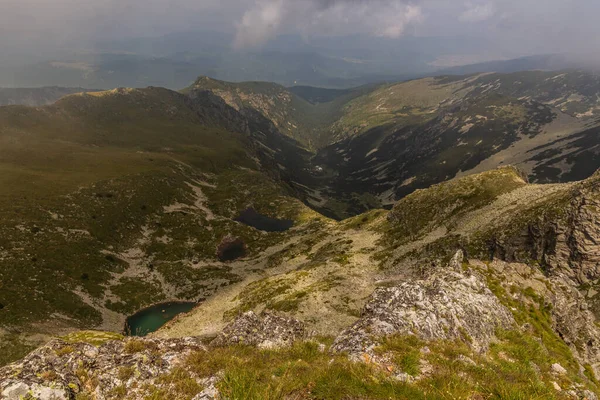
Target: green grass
{"x":95,"y":338}
{"x":454,"y":372}
{"x":301,"y":371}
{"x":440,"y":204}
{"x":404,"y":351}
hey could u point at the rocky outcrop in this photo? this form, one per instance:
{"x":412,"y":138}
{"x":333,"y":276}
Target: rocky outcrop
{"x":564,"y":241}
{"x":61,"y":370}
{"x":266,"y":330}
{"x":571,"y":317}
{"x":446,"y":305}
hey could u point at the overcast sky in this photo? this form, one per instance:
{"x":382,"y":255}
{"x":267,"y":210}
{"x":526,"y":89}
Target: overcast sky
{"x":534,"y":26}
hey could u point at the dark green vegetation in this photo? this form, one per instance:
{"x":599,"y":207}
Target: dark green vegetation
{"x":116,"y":200}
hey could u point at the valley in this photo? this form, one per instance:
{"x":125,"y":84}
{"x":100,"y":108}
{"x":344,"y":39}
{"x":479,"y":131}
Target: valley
{"x":324,"y":206}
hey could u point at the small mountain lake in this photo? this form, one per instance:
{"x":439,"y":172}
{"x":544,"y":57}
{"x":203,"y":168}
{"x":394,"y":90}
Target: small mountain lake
{"x":150,"y":319}
{"x":261,"y":222}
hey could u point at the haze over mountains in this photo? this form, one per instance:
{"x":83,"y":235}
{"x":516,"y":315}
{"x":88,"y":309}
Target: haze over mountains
{"x":175,"y":60}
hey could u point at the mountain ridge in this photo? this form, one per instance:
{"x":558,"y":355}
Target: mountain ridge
{"x":117,"y":200}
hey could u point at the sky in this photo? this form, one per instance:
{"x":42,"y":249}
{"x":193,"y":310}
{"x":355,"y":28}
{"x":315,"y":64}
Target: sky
{"x":528,"y":26}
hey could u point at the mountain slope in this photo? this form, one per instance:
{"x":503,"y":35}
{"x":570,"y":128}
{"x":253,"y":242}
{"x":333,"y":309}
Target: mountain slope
{"x":416,"y":302}
{"x":146,"y":185}
{"x":484,"y":285}
{"x":410,"y":135}
{"x":116,"y":200}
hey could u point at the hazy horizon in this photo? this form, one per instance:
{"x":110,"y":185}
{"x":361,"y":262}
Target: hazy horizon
{"x":346,"y":41}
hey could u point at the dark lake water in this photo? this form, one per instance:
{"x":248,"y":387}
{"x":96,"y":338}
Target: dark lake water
{"x":232,"y":251}
{"x":262,"y":222}
{"x":150,"y":319}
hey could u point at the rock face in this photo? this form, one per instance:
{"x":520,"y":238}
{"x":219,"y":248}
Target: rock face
{"x":446,"y":305}
{"x":61,"y":370}
{"x":575,"y":323}
{"x":266,"y":330}
{"x":569,"y":243}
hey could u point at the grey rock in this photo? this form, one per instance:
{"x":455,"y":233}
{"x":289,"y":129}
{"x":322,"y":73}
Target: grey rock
{"x":266,"y":330}
{"x":446,"y":305}
{"x":575,"y":324}
{"x":457,"y":260}
{"x":570,"y":244}
{"x":588,"y":395}
{"x":53,"y":372}
{"x":20,"y":390}
{"x":558,"y":369}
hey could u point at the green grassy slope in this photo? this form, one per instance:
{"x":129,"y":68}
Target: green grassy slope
{"x":115,"y":200}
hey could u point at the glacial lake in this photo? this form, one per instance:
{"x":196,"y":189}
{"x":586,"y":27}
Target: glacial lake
{"x":150,"y":319}
{"x":261,"y":222}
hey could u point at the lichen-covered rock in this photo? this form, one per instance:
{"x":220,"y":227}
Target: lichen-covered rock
{"x":446,"y":305}
{"x":23,"y":390}
{"x":61,"y":370}
{"x":266,"y":330}
{"x":456,"y":261}
{"x":574,"y":322}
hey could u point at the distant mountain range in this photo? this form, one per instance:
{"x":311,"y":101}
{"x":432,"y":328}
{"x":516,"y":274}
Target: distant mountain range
{"x":35,"y":96}
{"x":175,"y":60}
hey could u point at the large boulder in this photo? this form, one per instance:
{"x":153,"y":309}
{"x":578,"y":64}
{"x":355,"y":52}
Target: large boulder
{"x":266,"y":330}
{"x":446,"y":305}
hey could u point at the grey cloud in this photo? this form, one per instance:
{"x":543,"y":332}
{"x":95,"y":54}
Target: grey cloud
{"x":267,"y":18}
{"x":478,"y":12}
{"x":523,"y":26}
